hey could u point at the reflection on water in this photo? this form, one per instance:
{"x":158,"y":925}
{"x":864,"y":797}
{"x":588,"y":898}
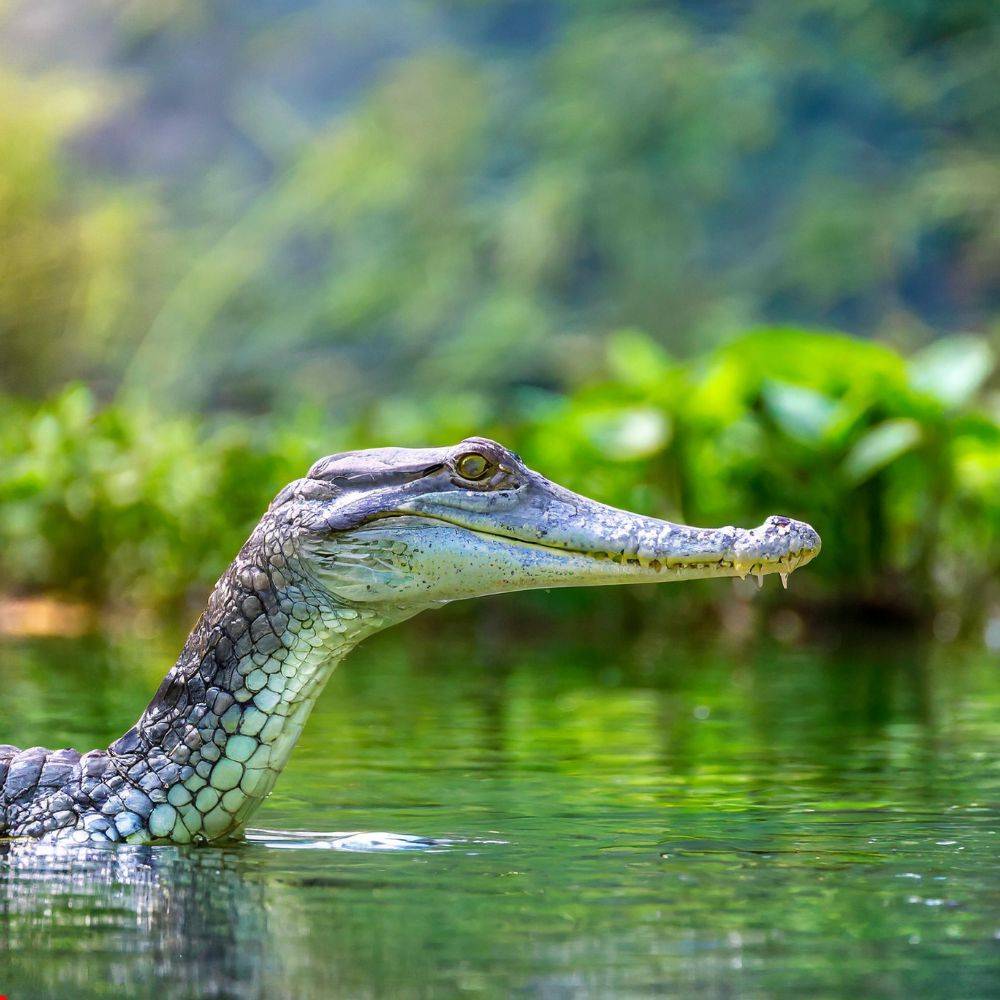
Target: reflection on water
{"x":80,"y":922}
{"x":613,"y":816}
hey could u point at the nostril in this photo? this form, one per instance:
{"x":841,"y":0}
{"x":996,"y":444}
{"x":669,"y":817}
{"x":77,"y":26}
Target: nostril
{"x":807,"y":537}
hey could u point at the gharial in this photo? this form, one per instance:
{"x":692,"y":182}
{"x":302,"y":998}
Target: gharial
{"x":365,"y":540}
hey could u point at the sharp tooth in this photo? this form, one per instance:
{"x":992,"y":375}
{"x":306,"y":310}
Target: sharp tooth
{"x":784,"y":579}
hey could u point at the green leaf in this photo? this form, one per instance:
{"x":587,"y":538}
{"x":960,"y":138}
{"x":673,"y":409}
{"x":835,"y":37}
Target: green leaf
{"x":801,"y":413}
{"x":827,"y":362}
{"x":624,"y":435}
{"x":636,"y":359}
{"x":953,"y":369}
{"x":880,"y":447}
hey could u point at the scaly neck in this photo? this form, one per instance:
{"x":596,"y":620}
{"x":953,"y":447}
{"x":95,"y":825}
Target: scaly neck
{"x":213,"y":740}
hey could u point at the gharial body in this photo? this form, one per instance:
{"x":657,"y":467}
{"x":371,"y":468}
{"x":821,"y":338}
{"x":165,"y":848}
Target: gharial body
{"x":367,"y":539}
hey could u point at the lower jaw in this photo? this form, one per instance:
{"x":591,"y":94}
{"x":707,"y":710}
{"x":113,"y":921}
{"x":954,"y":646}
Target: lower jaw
{"x":665,"y":570}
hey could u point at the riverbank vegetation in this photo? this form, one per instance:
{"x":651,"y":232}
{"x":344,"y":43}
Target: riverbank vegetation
{"x":895,"y":460}
{"x":231,"y":241}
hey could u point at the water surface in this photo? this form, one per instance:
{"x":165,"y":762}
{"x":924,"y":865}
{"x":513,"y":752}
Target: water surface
{"x":617,"y":815}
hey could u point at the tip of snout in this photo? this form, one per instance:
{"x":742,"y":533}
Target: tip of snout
{"x":779,"y":545}
{"x":793,"y":538}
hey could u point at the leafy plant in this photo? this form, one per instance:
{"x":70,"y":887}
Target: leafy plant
{"x":893,"y":461}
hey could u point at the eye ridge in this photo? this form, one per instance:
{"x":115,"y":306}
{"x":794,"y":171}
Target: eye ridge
{"x":473,"y":466}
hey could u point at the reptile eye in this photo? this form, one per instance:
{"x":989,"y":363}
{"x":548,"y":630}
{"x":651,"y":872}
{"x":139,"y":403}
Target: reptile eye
{"x":473,"y":466}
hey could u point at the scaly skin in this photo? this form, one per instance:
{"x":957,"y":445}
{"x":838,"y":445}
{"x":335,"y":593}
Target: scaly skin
{"x":209,"y":747}
{"x":366,"y":540}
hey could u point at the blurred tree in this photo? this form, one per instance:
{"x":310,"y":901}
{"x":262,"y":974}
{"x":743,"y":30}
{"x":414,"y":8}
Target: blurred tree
{"x":340,"y":202}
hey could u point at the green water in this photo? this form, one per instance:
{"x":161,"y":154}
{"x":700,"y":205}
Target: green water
{"x":630,"y":814}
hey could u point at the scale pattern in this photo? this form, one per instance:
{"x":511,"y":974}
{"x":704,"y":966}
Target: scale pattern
{"x":211,"y":743}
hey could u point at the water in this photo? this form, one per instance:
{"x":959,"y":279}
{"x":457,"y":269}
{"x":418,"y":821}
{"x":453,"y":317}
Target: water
{"x":617,"y":814}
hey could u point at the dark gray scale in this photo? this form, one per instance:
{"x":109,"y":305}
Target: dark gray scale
{"x":7,"y":754}
{"x":40,"y":790}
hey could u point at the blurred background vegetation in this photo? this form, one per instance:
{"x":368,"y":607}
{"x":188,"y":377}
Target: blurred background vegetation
{"x":236,"y":237}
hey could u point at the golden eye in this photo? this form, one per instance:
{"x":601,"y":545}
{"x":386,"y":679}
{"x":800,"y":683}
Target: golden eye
{"x":473,"y":466}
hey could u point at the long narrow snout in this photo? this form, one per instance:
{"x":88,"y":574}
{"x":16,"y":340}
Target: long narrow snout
{"x":595,"y":544}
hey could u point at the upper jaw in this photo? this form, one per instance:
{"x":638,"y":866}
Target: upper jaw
{"x":779,"y":545}
{"x":618,"y":546}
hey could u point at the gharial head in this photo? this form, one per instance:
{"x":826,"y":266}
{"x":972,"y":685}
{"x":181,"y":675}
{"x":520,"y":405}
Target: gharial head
{"x":407,"y":528}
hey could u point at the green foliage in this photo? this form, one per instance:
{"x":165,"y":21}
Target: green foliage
{"x":892,"y":462}
{"x":423,"y":221}
{"x":69,"y":262}
{"x":118,"y":505}
{"x":889,"y":461}
{"x":311,"y":218}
